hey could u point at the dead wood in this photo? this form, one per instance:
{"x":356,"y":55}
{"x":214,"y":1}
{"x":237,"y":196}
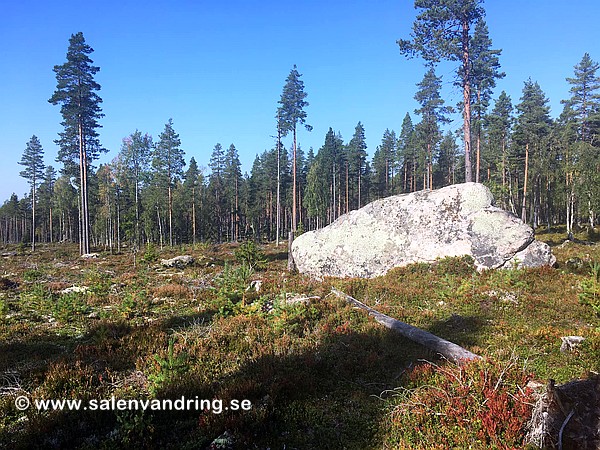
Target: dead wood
{"x":451,"y":351}
{"x":567,"y":417}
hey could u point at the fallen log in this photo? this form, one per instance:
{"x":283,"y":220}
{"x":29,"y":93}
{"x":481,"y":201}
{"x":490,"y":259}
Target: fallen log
{"x":451,"y":351}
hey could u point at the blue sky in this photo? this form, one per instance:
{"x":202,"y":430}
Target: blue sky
{"x":218,"y":67}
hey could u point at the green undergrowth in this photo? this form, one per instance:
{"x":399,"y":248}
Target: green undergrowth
{"x":318,"y":373}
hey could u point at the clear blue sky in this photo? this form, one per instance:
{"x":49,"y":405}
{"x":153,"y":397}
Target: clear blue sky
{"x":218,"y":67}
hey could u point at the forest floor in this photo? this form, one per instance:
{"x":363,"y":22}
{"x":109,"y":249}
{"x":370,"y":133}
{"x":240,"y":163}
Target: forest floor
{"x":314,"y":372}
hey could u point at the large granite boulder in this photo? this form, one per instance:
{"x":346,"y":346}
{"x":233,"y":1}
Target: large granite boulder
{"x":420,"y":227}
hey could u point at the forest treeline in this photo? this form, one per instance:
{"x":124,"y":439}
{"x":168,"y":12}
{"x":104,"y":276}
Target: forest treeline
{"x":543,"y":169}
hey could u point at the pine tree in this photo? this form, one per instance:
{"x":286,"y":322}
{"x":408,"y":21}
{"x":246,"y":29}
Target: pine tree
{"x":168,"y":165}
{"x":433,"y":112}
{"x":33,"y":161}
{"x":290,"y":114}
{"x":485,"y":69}
{"x":442,"y":30}
{"x":80,"y":109}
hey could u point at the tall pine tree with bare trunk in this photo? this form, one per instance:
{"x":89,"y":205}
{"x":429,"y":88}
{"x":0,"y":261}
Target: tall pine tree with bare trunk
{"x":443,"y":30}
{"x":290,"y":114}
{"x":80,"y":108}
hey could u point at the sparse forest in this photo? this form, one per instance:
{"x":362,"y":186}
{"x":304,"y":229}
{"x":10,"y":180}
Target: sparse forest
{"x":541,"y":168}
{"x":159,"y":275}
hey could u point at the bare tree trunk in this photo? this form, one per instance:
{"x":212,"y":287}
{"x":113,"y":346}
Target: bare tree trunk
{"x":137,"y":213}
{"x":118,"y":230}
{"x":160,"y":230}
{"x":478,"y":157}
{"x":347,"y":189}
{"x":466,"y":100}
{"x":503,"y":174}
{"x":294,"y":193}
{"x":333,"y":204}
{"x":278,"y":215}
{"x":446,"y":348}
{"x":359,"y":190}
{"x":524,"y":206}
{"x":291,"y":262}
{"x":33,"y":216}
{"x":51,"y":227}
{"x":194,"y":215}
{"x":170,"y":215}
{"x":82,"y":245}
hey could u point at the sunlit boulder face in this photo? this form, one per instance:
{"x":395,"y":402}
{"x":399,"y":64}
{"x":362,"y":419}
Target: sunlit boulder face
{"x":420,"y":227}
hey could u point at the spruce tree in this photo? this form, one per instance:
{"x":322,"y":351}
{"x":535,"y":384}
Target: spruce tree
{"x":406,"y":154}
{"x":498,"y":125}
{"x":445,"y":173}
{"x":532,"y":127}
{"x":135,"y":154}
{"x":192,"y":186}
{"x":357,"y":156}
{"x":46,"y":199}
{"x":585,"y":97}
{"x":33,"y":161}
{"x":584,"y":114}
{"x":216,"y":187}
{"x":80,"y":108}
{"x":232,"y":178}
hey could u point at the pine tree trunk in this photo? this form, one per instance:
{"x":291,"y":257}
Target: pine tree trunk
{"x":160,"y":230}
{"x":524,"y":207}
{"x":347,"y":188}
{"x":33,"y":217}
{"x":503,"y":175}
{"x":278,"y":214}
{"x":137,"y":213}
{"x":81,"y":192}
{"x":359,"y":190}
{"x":51,"y":230}
{"x":170,"y":215}
{"x":466,"y":99}
{"x":118,"y":228}
{"x":478,"y":163}
{"x":294,"y":193}
{"x":194,"y":215}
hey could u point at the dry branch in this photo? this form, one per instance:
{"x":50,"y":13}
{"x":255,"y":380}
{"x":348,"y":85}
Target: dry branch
{"x":446,"y":348}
